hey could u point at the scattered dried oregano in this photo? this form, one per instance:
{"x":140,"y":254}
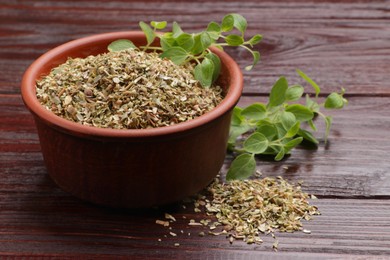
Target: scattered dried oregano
{"x":246,"y":209}
{"x":129,"y":89}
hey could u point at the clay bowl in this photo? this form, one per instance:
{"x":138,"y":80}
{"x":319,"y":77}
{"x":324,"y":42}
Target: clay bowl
{"x":130,"y":168}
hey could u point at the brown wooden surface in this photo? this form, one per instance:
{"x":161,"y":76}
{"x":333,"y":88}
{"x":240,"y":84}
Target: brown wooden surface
{"x":338,"y":43}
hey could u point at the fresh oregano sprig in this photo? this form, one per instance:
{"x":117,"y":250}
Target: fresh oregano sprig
{"x":275,"y":128}
{"x":182,"y":47}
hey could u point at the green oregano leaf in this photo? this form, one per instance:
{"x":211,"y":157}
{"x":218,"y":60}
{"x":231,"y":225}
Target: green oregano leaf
{"x":158,"y":25}
{"x":176,"y":30}
{"x":280,"y":155}
{"x":167,"y":41}
{"x":217,"y":64}
{"x":205,"y":39}
{"x":328,"y":124}
{"x":185,"y":41}
{"x":292,"y":144}
{"x":256,"y":143}
{"x":287,"y":119}
{"x":242,"y":167}
{"x":334,"y":101}
{"x":204,"y":72}
{"x":301,"y":112}
{"x":293,"y":131}
{"x":227,"y":23}
{"x":237,"y":130}
{"x":214,"y":36}
{"x":149,"y":33}
{"x":234,"y":40}
{"x":201,"y":42}
{"x":255,"y":39}
{"x":294,"y":93}
{"x":310,"y":81}
{"x":238,"y":125}
{"x":120,"y":45}
{"x":239,"y":22}
{"x":277,"y":95}
{"x":268,"y":130}
{"x":177,"y":54}
{"x":213,"y":27}
{"x":255,"y":111}
{"x":281,"y":131}
{"x":237,"y":118}
{"x":312,"y":125}
{"x":307,"y":136}
{"x":256,"y":58}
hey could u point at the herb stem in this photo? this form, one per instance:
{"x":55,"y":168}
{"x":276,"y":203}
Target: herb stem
{"x":151,"y":48}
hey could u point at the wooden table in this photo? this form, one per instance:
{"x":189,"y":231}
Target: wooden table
{"x":338,"y":43}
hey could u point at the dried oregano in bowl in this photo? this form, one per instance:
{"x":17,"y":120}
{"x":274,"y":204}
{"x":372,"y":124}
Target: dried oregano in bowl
{"x":129,"y":89}
{"x":147,"y":86}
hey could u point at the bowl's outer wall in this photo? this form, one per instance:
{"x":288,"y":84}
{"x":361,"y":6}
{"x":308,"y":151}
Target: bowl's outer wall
{"x":126,"y":170}
{"x":135,"y":174}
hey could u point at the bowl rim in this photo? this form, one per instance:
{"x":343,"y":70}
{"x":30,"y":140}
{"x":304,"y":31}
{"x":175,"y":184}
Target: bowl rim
{"x":31,"y":75}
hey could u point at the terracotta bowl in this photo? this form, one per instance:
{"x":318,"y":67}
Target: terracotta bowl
{"x":130,"y":168}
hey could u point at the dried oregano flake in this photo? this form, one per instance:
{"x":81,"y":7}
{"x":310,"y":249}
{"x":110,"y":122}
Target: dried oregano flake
{"x":130,"y":89}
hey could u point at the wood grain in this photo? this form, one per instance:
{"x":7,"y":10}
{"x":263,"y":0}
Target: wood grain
{"x":338,"y":43}
{"x":42,"y":227}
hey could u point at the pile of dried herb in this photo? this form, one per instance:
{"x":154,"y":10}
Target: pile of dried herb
{"x":246,"y":209}
{"x":129,"y":89}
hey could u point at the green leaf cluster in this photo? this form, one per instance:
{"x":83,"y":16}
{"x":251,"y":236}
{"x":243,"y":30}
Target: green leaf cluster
{"x":182,"y":47}
{"x":276,"y":127}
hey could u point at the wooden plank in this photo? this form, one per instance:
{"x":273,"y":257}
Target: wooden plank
{"x":338,"y":44}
